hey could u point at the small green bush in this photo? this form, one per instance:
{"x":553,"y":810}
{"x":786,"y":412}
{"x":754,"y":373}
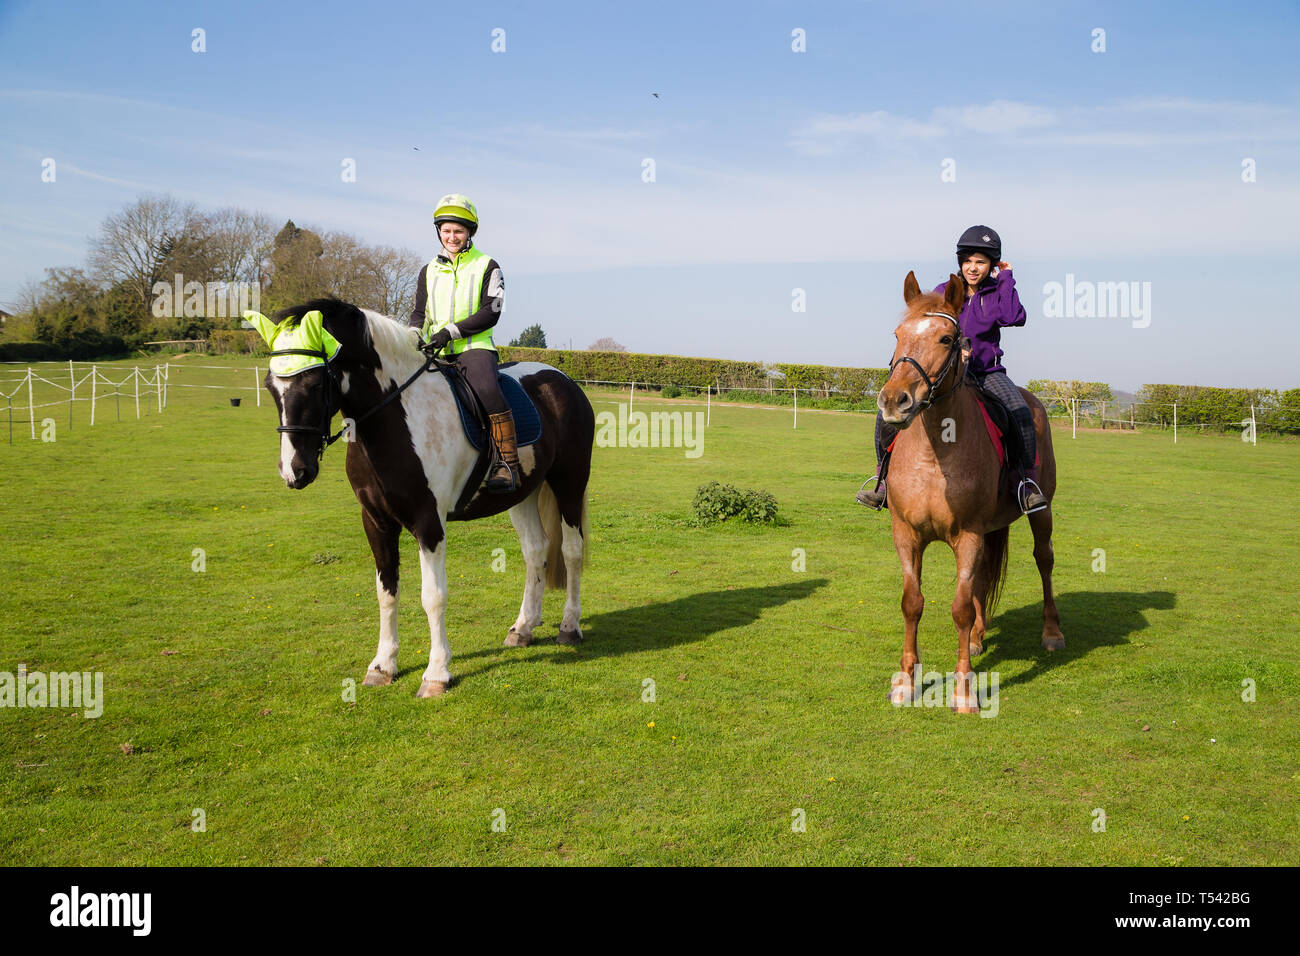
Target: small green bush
{"x":672,"y":391}
{"x":716,"y":502}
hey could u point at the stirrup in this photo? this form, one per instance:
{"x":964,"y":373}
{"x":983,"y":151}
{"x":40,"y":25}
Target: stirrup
{"x":862,"y":495}
{"x":1022,"y":496}
{"x":499,"y":487}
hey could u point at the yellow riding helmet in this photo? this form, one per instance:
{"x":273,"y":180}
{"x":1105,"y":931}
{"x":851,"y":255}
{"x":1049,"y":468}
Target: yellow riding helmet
{"x":454,"y":207}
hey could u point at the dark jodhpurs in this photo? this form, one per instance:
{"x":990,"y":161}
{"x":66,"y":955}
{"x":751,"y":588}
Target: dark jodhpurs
{"x":1001,"y":388}
{"x":480,"y":367}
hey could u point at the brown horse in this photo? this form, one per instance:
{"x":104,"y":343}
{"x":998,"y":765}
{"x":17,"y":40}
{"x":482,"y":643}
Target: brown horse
{"x":947,"y":484}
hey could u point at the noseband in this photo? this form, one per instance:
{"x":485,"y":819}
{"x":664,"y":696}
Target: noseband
{"x":931,"y":397}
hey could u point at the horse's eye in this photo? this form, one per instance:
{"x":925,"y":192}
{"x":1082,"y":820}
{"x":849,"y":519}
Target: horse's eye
{"x":946,"y":340}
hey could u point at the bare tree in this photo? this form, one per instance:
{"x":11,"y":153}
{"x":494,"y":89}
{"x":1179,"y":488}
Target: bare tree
{"x":395,"y":273}
{"x":135,"y":244}
{"x":241,"y":243}
{"x":606,"y":344}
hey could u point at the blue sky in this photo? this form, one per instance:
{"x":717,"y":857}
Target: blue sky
{"x":774,"y":170}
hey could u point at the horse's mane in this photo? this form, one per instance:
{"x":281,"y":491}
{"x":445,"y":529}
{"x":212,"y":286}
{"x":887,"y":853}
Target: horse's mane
{"x":391,"y":338}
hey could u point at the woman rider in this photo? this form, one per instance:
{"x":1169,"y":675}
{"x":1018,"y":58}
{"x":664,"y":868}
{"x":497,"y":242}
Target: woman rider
{"x":458,"y":299}
{"x":991,"y":305}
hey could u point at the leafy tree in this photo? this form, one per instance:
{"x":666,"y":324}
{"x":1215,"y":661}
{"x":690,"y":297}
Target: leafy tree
{"x":531,"y":338}
{"x":606,"y":344}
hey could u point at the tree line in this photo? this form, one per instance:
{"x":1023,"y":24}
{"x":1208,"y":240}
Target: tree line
{"x":128,"y":291}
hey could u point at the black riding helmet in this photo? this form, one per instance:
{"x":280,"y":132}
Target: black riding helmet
{"x":979,"y":239}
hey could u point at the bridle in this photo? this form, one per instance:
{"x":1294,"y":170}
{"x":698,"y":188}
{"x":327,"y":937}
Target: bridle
{"x":953,"y":353}
{"x":334,"y":393}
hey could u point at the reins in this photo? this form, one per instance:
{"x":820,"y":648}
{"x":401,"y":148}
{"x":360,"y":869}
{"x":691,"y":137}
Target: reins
{"x":953,"y":354}
{"x":335,"y":387}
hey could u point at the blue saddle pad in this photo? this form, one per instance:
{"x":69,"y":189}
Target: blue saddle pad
{"x":528,"y":424}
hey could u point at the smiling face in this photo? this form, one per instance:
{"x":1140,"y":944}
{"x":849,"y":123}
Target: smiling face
{"x":453,"y":236}
{"x":975,"y":268}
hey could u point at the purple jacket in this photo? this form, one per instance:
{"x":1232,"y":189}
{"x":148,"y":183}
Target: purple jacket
{"x":993,"y":306}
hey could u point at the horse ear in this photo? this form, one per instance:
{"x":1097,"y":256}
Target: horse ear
{"x":911,"y":288}
{"x":955,"y":293}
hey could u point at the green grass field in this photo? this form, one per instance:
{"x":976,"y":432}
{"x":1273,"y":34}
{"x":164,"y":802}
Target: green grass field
{"x":224,"y":689}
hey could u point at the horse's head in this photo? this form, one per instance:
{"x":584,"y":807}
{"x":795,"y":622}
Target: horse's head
{"x":927,"y":354}
{"x":311,"y":347}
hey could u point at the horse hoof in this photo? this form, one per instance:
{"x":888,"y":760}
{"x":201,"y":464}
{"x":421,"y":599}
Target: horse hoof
{"x":965,"y":705}
{"x":573,"y":637}
{"x":1054,"y":642}
{"x":376,"y":678}
{"x":432,"y":688}
{"x":901,"y":691}
{"x":515,"y":639}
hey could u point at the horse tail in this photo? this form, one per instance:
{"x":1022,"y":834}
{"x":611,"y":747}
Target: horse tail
{"x":996,"y":553}
{"x":549,"y":509}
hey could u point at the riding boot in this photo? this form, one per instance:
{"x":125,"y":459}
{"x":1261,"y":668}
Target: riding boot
{"x":1028,"y":494}
{"x":503,"y":478}
{"x":875,"y":498}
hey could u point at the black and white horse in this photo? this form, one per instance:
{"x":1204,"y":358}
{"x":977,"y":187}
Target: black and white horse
{"x":409,"y":461}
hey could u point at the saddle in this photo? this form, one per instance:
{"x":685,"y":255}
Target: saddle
{"x":998,"y":422}
{"x":528,"y":424}
{"x":474,"y":420}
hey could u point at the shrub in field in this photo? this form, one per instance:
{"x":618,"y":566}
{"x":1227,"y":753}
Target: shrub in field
{"x":716,"y":502}
{"x":672,"y":391}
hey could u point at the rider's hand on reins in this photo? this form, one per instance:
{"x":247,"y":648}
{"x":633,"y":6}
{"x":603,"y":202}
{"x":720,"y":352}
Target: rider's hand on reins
{"x":437,"y":342}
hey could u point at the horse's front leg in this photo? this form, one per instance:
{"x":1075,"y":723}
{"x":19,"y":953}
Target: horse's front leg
{"x":969,"y":551}
{"x":909,"y":547}
{"x":433,"y":594}
{"x":383,"y":533}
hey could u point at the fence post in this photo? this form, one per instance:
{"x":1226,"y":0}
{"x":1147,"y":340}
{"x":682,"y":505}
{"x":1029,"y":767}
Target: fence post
{"x":1103,"y":414}
{"x":157,"y":380}
{"x":10,"y":400}
{"x":31,"y":406}
{"x":708,"y":403}
{"x":257,"y":390}
{"x":1175,"y":423}
{"x":1254,"y":435}
{"x":137,"y":393}
{"x":167,"y":377}
{"x":1074,"y":418}
{"x":796,"y":406}
{"x":94,"y":380}
{"x":72,"y":400}
{"x":631,"y":396}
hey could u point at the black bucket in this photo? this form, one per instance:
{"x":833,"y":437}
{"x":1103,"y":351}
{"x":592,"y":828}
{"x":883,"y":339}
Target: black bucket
{"x":234,"y":402}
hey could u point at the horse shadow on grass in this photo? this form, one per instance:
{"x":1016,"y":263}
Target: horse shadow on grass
{"x":651,"y":627}
{"x":1089,"y":619}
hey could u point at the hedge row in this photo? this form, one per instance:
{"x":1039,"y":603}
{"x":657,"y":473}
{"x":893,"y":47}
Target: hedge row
{"x":86,"y":344}
{"x":660,"y":370}
{"x":1225,"y":407}
{"x":236,"y":342}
